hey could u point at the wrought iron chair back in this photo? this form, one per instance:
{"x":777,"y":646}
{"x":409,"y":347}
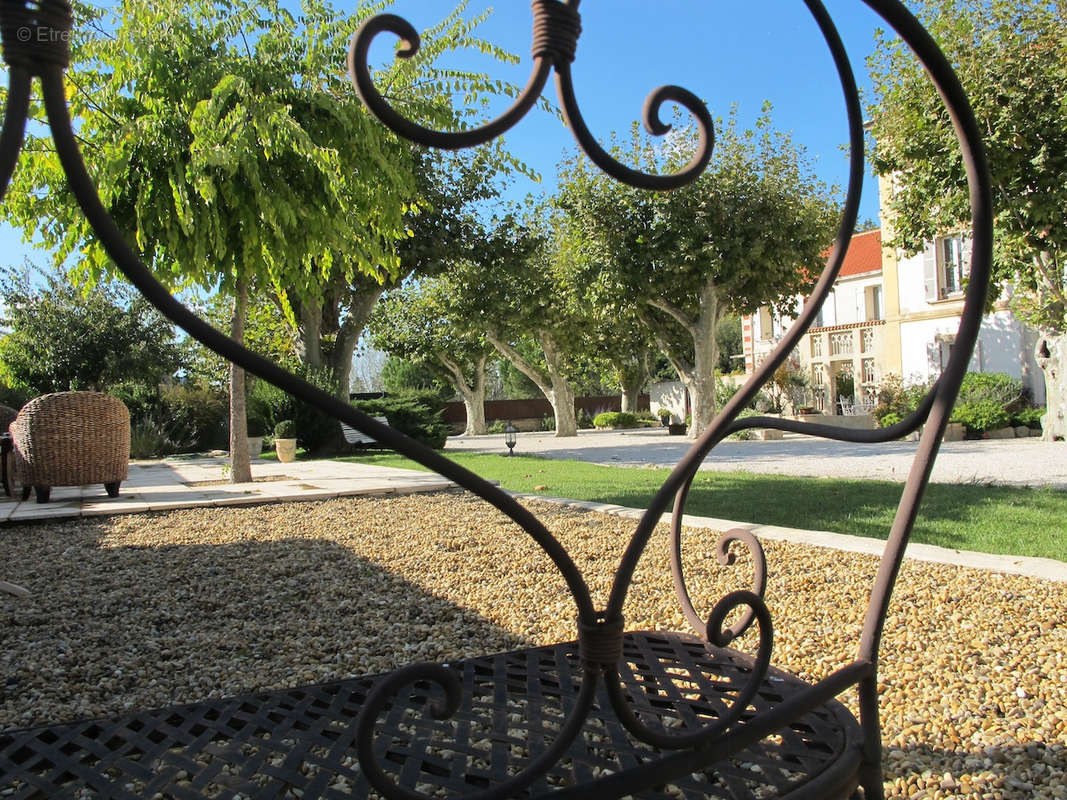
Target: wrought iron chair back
{"x":601,"y":638}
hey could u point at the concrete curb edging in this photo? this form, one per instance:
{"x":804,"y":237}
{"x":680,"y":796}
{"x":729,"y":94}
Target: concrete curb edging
{"x":1042,"y":568}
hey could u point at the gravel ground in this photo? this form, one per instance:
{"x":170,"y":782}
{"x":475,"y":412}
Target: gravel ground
{"x":150,"y":610}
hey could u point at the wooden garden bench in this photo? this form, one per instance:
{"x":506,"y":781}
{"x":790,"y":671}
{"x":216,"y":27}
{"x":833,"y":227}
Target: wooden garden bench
{"x":652,"y":714}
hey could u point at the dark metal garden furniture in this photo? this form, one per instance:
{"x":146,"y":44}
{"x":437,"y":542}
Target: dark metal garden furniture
{"x":614,"y":713}
{"x":71,"y":439}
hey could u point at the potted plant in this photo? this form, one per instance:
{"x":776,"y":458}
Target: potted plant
{"x":256,"y":431}
{"x":664,"y":415}
{"x":285,"y":440}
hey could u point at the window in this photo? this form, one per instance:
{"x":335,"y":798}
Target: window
{"x":946,"y":263}
{"x":872,"y":297}
{"x":816,"y":345}
{"x":766,"y":326}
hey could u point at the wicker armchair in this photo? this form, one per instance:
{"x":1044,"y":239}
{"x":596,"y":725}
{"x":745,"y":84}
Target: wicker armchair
{"x":71,"y":439}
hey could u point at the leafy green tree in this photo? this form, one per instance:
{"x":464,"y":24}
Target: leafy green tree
{"x":748,"y":232}
{"x":1011,"y":57}
{"x":519,"y":299}
{"x":728,"y":341}
{"x":64,"y":339}
{"x":418,"y":323}
{"x":222,"y":141}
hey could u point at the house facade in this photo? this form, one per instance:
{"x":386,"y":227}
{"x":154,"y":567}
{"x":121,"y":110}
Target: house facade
{"x":891,"y":314}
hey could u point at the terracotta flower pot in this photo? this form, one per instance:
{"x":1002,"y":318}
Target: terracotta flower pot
{"x":286,"y":450}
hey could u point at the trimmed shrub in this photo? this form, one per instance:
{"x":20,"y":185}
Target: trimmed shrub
{"x":615,"y":419}
{"x":286,"y":429}
{"x":415,"y":414}
{"x":1030,"y":417}
{"x":994,"y":387}
{"x":201,"y":415}
{"x":889,"y":419}
{"x":981,"y":416}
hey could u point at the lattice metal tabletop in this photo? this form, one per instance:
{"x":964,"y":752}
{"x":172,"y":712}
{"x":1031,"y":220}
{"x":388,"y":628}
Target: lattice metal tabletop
{"x":301,"y":742}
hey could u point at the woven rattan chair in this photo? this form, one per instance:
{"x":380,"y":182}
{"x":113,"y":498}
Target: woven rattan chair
{"x":71,"y":439}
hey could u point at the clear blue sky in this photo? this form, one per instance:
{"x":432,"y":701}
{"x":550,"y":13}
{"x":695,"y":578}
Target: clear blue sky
{"x":727,"y":53}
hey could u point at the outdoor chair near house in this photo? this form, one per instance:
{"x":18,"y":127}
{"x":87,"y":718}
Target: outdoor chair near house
{"x":615,"y":712}
{"x":71,"y":439}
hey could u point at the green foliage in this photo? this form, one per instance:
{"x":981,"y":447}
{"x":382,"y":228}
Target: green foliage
{"x":316,"y":431}
{"x":286,"y":429}
{"x":516,"y":385}
{"x":664,"y":413}
{"x":64,"y":339}
{"x":1030,"y":417}
{"x":615,"y":419}
{"x":747,"y":434}
{"x":728,"y":342}
{"x":1011,"y":58}
{"x":548,"y":423}
{"x":585,"y":420}
{"x":889,"y":419}
{"x":496,"y":426}
{"x":994,"y":387}
{"x":980,"y":416}
{"x":400,"y":376}
{"x":749,"y":231}
{"x":200,"y":414}
{"x":415,"y":414}
{"x":895,"y":400}
{"x":152,"y":438}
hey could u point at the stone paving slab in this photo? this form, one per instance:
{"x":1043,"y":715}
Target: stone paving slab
{"x":179,"y":483}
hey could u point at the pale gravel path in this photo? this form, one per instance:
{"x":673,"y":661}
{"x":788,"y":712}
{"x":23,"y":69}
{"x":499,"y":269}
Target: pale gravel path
{"x":1009,"y":462}
{"x":155,"y":609}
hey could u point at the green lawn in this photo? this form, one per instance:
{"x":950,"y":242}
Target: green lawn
{"x":989,"y":519}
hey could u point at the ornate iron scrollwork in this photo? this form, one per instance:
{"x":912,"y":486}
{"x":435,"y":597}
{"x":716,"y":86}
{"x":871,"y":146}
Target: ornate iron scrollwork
{"x":43,"y":54}
{"x":557,"y":26}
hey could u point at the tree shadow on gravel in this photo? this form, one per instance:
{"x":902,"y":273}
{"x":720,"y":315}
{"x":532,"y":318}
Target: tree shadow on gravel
{"x":113,"y":628}
{"x":1012,"y":772}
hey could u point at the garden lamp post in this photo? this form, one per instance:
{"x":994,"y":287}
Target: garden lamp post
{"x":509,"y":437}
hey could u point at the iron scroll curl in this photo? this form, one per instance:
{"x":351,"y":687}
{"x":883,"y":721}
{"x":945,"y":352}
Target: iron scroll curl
{"x":557,"y":26}
{"x":606,"y":625}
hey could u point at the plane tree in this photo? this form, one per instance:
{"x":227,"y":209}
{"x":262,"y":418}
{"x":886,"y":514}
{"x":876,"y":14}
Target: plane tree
{"x":748,"y":232}
{"x":418,"y":322}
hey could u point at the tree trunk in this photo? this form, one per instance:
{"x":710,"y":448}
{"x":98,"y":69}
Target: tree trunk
{"x":553,"y":385}
{"x":1051,"y":355}
{"x":631,"y":377}
{"x":240,"y":466}
{"x":472,"y":392}
{"x":360,"y":307}
{"x":698,"y":374}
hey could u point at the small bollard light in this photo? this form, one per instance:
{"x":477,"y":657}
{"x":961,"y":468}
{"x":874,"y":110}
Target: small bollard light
{"x":509,"y":437}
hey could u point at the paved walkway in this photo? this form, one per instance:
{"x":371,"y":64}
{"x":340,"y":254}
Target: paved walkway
{"x":188,"y":483}
{"x":1009,"y":462}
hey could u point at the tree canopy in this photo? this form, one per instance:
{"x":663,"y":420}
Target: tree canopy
{"x":64,"y":339}
{"x":1011,"y":58}
{"x":748,"y":232}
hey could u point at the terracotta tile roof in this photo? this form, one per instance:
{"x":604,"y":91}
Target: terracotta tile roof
{"x":864,"y":254}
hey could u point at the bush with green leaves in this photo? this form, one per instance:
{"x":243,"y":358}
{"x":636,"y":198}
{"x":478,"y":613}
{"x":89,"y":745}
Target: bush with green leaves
{"x":202,"y":414}
{"x":584,"y":420}
{"x":415,"y":414}
{"x":981,"y":416}
{"x":1030,"y":417}
{"x":889,"y":419}
{"x":615,"y":419}
{"x":897,"y":399}
{"x":994,"y":387}
{"x":286,"y":429}
{"x":548,"y":423}
{"x":745,"y":434}
{"x":496,"y":426}
{"x":151,"y":437}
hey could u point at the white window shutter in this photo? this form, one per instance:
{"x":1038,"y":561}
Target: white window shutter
{"x":930,"y":271}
